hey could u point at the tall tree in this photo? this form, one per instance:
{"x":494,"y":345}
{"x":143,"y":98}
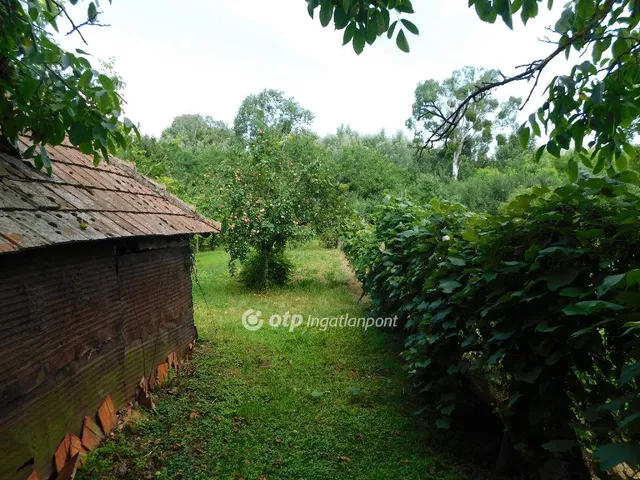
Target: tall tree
{"x":195,"y":130}
{"x":270,"y":110}
{"x":434,"y":102}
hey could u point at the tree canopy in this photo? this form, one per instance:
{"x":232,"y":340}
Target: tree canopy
{"x":193,"y":130}
{"x":270,"y":110}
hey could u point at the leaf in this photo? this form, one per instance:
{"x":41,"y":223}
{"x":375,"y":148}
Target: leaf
{"x":528,"y":377}
{"x":497,"y":355}
{"x":326,"y":13}
{"x":443,"y":423}
{"x":545,"y":328}
{"x":560,"y":446}
{"x":630,"y":150}
{"x":107,"y":83}
{"x":573,"y":170}
{"x":622,"y":163}
{"x":572,"y":292}
{"x":514,"y":398}
{"x":372,"y":30}
{"x":599,"y":165}
{"x":502,"y":335}
{"x":340,"y":18}
{"x":448,"y":410}
{"x":448,"y":286}
{"x":383,"y":21}
{"x":401,"y":41}
{"x":600,"y":47}
{"x":44,"y":158}
{"x":392,"y":29}
{"x":629,"y":372}
{"x":633,"y":277}
{"x":534,"y":125}
{"x":99,"y":134}
{"x":92,"y":12}
{"x":410,"y":26}
{"x":358,"y":41}
{"x":79,"y":133}
{"x":524,"y":134}
{"x":424,"y":364}
{"x":503,"y":7}
{"x":311,"y":6}
{"x":589,"y":307}
{"x":609,"y":282}
{"x":560,"y":279}
{"x":28,"y":87}
{"x":30,"y":152}
{"x":585,"y":9}
{"x":316,"y":394}
{"x":614,"y":454}
{"x":348,"y":33}
{"x":630,"y":422}
{"x":405,"y":7}
{"x":553,"y":148}
{"x":460,"y":262}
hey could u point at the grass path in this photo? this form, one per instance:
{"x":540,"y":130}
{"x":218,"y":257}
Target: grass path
{"x":274,"y":404}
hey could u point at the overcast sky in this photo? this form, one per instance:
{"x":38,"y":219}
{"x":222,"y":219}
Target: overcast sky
{"x":206,"y":56}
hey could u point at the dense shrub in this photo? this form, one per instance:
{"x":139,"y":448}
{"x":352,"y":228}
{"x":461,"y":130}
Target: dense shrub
{"x":261,"y":271}
{"x":534,"y":312}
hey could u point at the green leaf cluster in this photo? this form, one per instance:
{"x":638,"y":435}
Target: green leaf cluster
{"x":364,"y":21}
{"x":48,"y":93}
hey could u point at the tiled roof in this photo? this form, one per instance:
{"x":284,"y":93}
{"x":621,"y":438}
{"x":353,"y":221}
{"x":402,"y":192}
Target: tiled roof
{"x":80,"y":202}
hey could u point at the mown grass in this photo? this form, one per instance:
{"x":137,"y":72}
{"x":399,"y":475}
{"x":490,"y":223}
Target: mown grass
{"x":275,"y":404}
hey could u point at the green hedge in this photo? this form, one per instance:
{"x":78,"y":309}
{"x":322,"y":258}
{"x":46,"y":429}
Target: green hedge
{"x":535,"y":312}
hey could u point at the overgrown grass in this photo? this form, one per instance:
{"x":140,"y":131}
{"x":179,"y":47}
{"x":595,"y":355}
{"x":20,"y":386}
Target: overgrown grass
{"x":275,"y":404}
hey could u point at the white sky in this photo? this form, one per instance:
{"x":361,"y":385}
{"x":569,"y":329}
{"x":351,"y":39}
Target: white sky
{"x":206,"y":56}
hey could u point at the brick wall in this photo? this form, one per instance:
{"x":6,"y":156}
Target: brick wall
{"x":77,"y":323}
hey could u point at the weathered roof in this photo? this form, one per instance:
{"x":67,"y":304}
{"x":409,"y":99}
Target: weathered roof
{"x":80,"y":202}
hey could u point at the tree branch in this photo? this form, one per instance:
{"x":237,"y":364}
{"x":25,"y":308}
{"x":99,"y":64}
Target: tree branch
{"x":532,"y":70}
{"x":63,"y":10}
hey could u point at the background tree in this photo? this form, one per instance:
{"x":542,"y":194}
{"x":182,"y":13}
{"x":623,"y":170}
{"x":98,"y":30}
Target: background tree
{"x":51,"y":94}
{"x":281,"y":190}
{"x":195,"y":130}
{"x":369,"y":175}
{"x":434,"y":102}
{"x":270,"y":110}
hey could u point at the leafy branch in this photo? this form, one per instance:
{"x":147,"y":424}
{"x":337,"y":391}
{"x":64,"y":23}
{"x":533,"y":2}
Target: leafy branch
{"x":531,"y":71}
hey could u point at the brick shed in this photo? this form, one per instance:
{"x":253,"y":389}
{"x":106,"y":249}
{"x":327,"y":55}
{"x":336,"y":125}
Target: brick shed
{"x":95,"y":293}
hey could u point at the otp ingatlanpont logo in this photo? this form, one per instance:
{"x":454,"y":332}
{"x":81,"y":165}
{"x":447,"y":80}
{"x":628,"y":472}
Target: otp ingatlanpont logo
{"x":251,"y":320}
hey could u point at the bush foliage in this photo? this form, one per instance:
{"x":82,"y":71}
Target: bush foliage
{"x":260,"y":271}
{"x":534,"y":311}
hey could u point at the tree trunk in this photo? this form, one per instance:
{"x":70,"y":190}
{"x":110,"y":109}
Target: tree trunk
{"x":455,"y":171}
{"x":266,"y":267}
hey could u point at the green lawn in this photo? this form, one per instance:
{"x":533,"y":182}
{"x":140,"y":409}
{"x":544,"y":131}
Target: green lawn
{"x":275,"y":404}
